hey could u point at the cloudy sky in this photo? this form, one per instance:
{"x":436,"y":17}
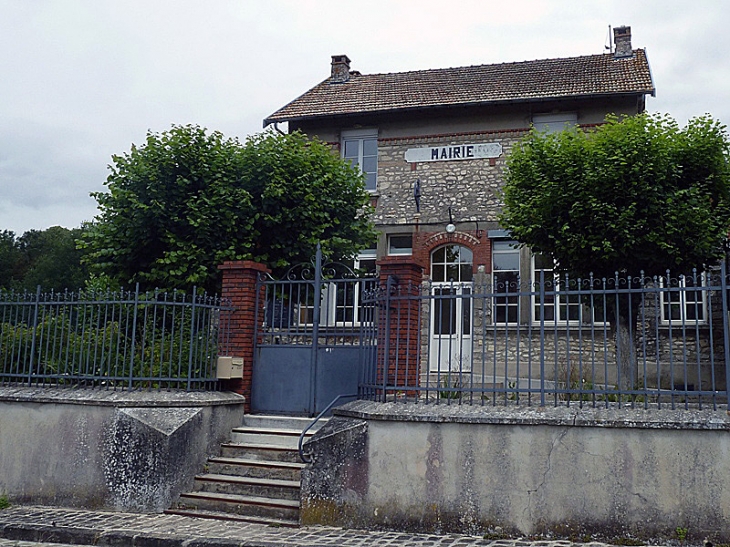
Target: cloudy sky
{"x":81,"y":80}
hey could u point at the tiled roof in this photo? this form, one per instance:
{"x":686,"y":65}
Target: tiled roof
{"x":591,"y":75}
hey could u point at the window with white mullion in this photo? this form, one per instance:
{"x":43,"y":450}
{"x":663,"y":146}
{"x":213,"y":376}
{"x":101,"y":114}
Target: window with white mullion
{"x":681,"y":304}
{"x":361,"y":149}
{"x":341,"y":300}
{"x":506,"y":281}
{"x":348,"y":307}
{"x":559,"y":307}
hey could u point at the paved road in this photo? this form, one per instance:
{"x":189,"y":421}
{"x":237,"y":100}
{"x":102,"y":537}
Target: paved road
{"x":33,"y":526}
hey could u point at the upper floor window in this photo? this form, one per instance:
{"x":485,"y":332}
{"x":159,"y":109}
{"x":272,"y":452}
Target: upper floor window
{"x":361,"y":148}
{"x":554,"y":123}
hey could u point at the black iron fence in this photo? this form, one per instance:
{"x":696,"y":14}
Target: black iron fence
{"x":125,"y":340}
{"x":625,"y":340}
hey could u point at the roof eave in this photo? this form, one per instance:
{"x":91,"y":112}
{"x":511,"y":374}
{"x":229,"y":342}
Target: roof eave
{"x":275,"y":119}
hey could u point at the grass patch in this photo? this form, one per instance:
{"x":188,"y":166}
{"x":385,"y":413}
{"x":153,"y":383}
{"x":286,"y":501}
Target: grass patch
{"x":628,"y":541}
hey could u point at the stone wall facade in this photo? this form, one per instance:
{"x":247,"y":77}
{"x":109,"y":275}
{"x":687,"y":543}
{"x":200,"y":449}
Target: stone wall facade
{"x":590,"y":473}
{"x":470,"y":187}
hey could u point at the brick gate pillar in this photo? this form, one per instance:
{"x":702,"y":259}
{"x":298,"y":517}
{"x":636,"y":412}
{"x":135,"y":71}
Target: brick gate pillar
{"x":399,"y":325}
{"x":239,"y":288}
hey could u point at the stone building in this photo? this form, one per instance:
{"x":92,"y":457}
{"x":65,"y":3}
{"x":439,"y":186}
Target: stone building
{"x":432,"y":145}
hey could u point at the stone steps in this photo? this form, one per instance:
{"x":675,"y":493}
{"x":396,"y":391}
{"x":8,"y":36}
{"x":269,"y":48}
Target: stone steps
{"x":256,"y":478}
{"x":244,"y":467}
{"x":249,"y":486}
{"x":262,"y":508}
{"x":218,"y":515}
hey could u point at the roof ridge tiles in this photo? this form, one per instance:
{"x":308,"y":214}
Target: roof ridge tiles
{"x":567,"y":77}
{"x":607,"y":56}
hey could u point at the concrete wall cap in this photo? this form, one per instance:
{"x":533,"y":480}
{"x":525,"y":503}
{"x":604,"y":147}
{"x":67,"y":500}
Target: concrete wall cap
{"x":612,"y":417}
{"x":102,"y":397}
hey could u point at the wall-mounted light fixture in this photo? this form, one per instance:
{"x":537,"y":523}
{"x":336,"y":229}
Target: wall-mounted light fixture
{"x":450,"y":227}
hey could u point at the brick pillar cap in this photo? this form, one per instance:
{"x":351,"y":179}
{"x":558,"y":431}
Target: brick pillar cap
{"x":243,"y":265}
{"x":400,"y":260}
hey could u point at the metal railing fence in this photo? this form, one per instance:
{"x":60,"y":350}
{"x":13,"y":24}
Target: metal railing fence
{"x":640,"y":341}
{"x":114,"y":340}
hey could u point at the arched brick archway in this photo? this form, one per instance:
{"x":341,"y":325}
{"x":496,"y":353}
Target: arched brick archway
{"x":430,"y":242}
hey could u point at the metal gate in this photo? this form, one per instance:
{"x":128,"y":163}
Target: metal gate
{"x":317,"y":336}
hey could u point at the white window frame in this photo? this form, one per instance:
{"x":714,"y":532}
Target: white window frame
{"x":330,"y":304}
{"x":559,"y":304}
{"x":700,"y":304}
{"x":500,"y":301}
{"x":402,"y":251}
{"x":360,"y":136}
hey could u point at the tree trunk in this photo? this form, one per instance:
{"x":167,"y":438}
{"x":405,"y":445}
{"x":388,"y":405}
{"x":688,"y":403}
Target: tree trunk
{"x":623,"y":330}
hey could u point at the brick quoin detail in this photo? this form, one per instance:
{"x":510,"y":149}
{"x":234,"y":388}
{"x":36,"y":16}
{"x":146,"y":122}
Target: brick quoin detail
{"x":400,"y":323}
{"x":424,"y":243}
{"x":239,"y":288}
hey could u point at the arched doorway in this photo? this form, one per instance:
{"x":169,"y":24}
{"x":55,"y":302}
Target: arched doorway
{"x":451,"y":314}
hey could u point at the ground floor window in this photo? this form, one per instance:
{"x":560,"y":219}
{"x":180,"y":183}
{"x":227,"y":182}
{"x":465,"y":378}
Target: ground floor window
{"x":506,"y":280}
{"x":549,"y":304}
{"x":681,"y":303}
{"x":400,"y":244}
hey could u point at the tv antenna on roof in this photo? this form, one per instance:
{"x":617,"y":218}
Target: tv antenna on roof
{"x":609,"y":39}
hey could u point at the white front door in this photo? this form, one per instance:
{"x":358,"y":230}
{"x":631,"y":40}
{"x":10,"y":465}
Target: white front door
{"x":451,"y":310}
{"x":451,"y":341}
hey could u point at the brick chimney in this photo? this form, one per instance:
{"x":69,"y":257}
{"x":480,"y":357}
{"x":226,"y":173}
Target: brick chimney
{"x":622,"y":42}
{"x":340,"y":68}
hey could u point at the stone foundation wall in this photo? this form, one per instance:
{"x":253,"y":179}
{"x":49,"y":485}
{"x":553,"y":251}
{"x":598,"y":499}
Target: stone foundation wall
{"x":585,"y":474}
{"x":113,"y":450}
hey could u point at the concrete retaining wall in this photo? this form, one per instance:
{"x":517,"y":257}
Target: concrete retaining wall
{"x":117,"y":450}
{"x":603,"y":473}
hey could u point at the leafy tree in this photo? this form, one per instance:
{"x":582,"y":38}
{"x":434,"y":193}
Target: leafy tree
{"x":187,"y":200}
{"x":636,"y":195}
{"x":11,"y":260}
{"x":48,"y":258}
{"x":53,"y":260}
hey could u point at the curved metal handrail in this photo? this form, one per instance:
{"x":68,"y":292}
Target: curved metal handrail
{"x":311,"y":425}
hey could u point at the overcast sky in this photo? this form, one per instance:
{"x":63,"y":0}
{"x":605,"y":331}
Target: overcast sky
{"x":81,"y":80}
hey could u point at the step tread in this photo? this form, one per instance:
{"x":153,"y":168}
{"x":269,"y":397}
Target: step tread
{"x":265,"y":446}
{"x":216,"y":477}
{"x":276,"y":418}
{"x":242,"y":500}
{"x":272,"y":431}
{"x":216,"y":515}
{"x":257,"y":463}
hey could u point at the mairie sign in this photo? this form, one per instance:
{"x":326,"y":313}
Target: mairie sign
{"x":454,"y":152}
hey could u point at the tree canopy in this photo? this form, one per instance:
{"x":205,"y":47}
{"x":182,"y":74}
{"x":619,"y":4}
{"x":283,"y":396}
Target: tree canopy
{"x":631,"y":195}
{"x":187,"y":200}
{"x":48,"y":258}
